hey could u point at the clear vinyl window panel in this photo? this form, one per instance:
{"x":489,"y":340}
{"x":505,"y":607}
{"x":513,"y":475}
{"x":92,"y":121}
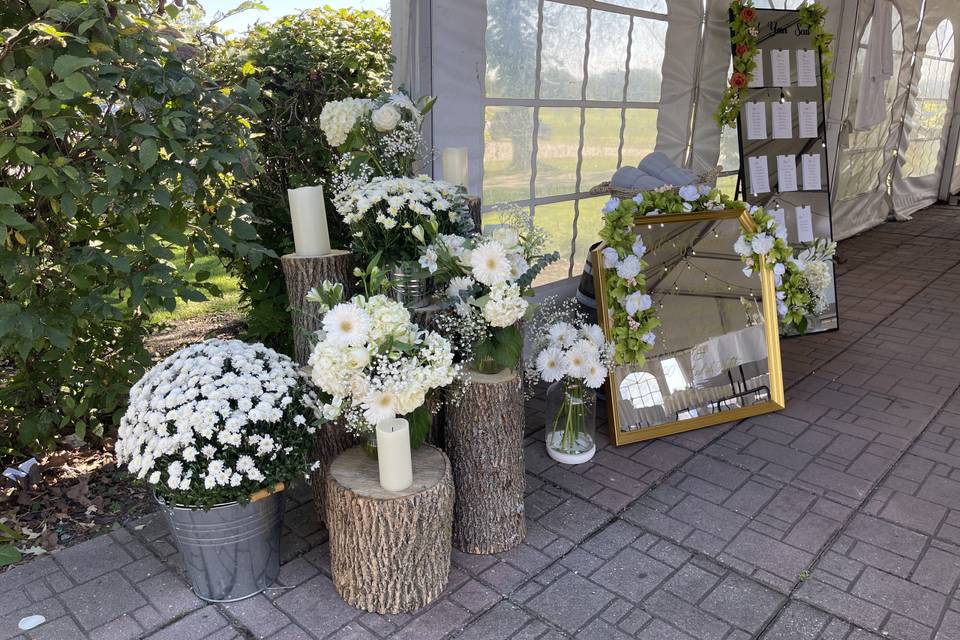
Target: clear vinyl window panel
{"x":926,"y":137}
{"x":861,"y":160}
{"x":571,"y":92}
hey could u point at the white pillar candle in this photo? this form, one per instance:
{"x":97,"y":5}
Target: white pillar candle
{"x":393,"y":454}
{"x":455,"y":165}
{"x":309,"y":217}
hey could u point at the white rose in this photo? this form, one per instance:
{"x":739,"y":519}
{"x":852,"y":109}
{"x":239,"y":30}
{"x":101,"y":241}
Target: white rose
{"x":386,"y":118}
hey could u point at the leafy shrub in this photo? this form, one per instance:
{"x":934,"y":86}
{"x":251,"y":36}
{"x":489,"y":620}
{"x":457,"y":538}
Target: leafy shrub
{"x":302,"y":62}
{"x":116,"y":149}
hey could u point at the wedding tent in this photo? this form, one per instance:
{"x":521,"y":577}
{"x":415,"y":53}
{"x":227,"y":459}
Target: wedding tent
{"x":550,"y":97}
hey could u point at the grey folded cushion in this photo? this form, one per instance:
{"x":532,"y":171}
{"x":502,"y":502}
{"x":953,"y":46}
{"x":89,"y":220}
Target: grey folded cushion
{"x":658,"y":165}
{"x":678,"y":177}
{"x":634,"y":178}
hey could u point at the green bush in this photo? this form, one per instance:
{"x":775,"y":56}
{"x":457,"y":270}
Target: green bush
{"x":302,"y":62}
{"x":116,"y":149}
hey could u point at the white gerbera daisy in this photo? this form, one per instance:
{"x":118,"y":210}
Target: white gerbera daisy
{"x":458,"y":284}
{"x":579,"y":357}
{"x":562,"y":334}
{"x":379,"y":405}
{"x":594,"y":334}
{"x":594,"y":374}
{"x":346,"y":324}
{"x":489,"y":263}
{"x":551,"y":364}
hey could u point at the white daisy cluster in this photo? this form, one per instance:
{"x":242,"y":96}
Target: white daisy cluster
{"x":399,"y":202}
{"x":372,"y":363}
{"x":581,"y":354}
{"x":217,"y":421}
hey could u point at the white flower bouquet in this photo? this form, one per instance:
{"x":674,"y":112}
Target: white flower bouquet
{"x":575,"y":359}
{"x":488,"y":278}
{"x":396,"y":217}
{"x":377,"y":137}
{"x":216,"y":422}
{"x":371,"y":363}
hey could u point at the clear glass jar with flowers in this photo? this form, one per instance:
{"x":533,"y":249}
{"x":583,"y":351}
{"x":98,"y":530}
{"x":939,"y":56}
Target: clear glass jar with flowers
{"x":573,"y":358}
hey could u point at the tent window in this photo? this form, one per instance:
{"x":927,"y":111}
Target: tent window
{"x":641,"y":389}
{"x":862,"y":160}
{"x":925,"y":139}
{"x":571,"y":90}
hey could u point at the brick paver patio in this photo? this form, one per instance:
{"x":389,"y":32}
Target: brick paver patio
{"x":838,"y":518}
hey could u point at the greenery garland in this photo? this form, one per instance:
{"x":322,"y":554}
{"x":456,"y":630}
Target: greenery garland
{"x":743,"y":36}
{"x":744,"y":32}
{"x":632,"y":312}
{"x":812,"y":18}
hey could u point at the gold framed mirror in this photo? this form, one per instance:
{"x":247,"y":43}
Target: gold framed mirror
{"x":717,"y":354}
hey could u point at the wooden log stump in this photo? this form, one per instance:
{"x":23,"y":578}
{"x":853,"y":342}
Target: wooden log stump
{"x":484,"y":439}
{"x":303,"y":273}
{"x":389,"y":552}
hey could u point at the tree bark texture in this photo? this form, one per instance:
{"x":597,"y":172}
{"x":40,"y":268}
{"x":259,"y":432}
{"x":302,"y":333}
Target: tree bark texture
{"x":303,"y":273}
{"x":389,"y":552}
{"x":484,"y":439}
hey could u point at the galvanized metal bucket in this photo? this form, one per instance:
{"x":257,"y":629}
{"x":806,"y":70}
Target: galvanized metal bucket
{"x":231,"y":551}
{"x":409,"y":285}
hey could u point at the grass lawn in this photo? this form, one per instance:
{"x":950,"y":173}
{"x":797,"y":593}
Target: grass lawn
{"x":228,"y":302}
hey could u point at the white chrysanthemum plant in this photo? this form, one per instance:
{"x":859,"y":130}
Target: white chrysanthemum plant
{"x":376,"y":137}
{"x":396,"y":217}
{"x":488,"y":277}
{"x":371,"y":363}
{"x":217,"y":422}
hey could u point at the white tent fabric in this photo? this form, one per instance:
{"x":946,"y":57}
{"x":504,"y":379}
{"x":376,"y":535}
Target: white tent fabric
{"x":564,"y":48}
{"x":877,"y":69}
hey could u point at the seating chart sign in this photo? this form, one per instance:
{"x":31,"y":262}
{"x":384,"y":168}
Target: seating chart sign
{"x":783,"y":132}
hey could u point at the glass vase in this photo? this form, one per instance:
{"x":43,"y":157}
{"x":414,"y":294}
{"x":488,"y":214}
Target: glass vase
{"x":486,"y":365}
{"x":368,"y":442}
{"x":571,"y":422}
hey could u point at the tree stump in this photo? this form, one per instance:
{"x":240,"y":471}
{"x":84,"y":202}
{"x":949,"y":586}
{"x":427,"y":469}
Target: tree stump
{"x":484,"y":439}
{"x":303,"y":273}
{"x":389,"y":552}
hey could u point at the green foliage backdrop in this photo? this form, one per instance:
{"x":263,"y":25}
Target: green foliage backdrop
{"x":116,"y":149}
{"x":301,"y":62}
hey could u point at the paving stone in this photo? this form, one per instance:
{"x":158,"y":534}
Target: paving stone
{"x":316,"y":605}
{"x":258,"y":615}
{"x":500,"y":622}
{"x":440,"y":619}
{"x":103,"y":599}
{"x":570,"y":602}
{"x":202,"y":624}
{"x":799,"y":621}
{"x":93,"y":558}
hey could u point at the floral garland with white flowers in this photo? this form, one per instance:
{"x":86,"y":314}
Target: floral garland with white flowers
{"x":216,"y":422}
{"x":396,"y":217}
{"x":372,"y":363}
{"x":487,"y":277}
{"x":632,"y":313}
{"x":801,"y":280}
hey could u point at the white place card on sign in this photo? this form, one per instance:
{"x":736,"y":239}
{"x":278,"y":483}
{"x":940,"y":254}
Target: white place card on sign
{"x":806,"y":68}
{"x":757,"y":79}
{"x":804,"y":224}
{"x":780,"y":67}
{"x":759,"y":174}
{"x":756,"y":121}
{"x":810,"y":165}
{"x":780,"y":217}
{"x":807,"y":118}
{"x":782,"y":120}
{"x":787,"y":173}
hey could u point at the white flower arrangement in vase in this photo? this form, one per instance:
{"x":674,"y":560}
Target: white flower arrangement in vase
{"x":395,"y":217}
{"x":371,"y":363}
{"x":376,"y":137}
{"x":574,"y":359}
{"x":488,"y":277}
{"x":216,"y":422}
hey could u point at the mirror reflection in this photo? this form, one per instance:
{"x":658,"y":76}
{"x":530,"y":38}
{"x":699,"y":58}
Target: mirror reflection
{"x":711,"y":350}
